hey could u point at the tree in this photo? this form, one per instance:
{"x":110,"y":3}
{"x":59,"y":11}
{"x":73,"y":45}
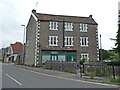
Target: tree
{"x":108,"y":54}
{"x":118,"y":41}
{"x":105,"y":54}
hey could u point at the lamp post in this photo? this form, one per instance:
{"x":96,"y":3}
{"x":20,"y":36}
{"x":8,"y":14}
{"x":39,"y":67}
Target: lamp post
{"x":23,"y":51}
{"x":101,"y":47}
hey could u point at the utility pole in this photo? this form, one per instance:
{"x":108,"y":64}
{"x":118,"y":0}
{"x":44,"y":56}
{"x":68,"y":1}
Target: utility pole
{"x":3,"y":53}
{"x":23,"y":51}
{"x":100,"y":48}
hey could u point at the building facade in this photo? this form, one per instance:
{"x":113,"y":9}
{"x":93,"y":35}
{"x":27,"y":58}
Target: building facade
{"x":61,"y":38}
{"x":15,"y":52}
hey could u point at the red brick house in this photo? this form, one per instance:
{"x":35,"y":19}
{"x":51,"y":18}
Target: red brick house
{"x":15,"y":51}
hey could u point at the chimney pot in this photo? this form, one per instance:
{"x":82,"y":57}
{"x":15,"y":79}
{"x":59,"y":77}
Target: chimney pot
{"x":33,"y":11}
{"x":90,"y":16}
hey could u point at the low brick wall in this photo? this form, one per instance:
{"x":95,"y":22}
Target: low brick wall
{"x":61,"y":66}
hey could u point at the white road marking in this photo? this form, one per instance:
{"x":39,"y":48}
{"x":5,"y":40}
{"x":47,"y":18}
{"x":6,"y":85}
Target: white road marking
{"x":69,"y":78}
{"x":13,"y":79}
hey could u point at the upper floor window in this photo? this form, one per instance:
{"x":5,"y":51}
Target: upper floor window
{"x":85,"y":56}
{"x":84,"y":41}
{"x":53,"y":25}
{"x":83,"y":27}
{"x":53,"y":40}
{"x":68,"y":26}
{"x":69,"y":41}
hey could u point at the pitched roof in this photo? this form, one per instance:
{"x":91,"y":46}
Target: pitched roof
{"x":17,"y":48}
{"x":61,"y":18}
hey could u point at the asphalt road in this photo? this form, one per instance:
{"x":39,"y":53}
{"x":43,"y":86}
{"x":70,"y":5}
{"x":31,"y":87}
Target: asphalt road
{"x":15,"y":77}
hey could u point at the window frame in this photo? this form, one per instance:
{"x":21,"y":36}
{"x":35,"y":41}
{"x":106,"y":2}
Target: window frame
{"x":83,"y":27}
{"x":69,"y":41}
{"x":53,"y":25}
{"x":84,"y":41}
{"x":68,"y":26}
{"x":53,"y":40}
{"x":86,"y":55}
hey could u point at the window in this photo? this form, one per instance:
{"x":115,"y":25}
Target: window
{"x":53,"y":25}
{"x":68,"y":41}
{"x":84,"y":41}
{"x":53,"y":40}
{"x":68,"y":26}
{"x":83,"y":27}
{"x":85,"y":56}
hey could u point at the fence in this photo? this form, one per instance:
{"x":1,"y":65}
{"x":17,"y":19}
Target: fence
{"x":91,"y":69}
{"x":103,"y":69}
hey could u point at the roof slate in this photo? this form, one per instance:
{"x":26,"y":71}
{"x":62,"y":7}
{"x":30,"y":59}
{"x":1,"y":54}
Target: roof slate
{"x":61,"y":18}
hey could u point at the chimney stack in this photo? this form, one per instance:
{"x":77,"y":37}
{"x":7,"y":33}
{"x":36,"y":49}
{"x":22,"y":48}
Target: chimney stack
{"x":90,"y":16}
{"x":33,"y":11}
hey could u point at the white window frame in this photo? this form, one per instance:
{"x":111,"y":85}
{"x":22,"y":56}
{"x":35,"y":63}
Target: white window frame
{"x":84,"y":41}
{"x":53,"y":25}
{"x":83,"y":27}
{"x":53,"y":40}
{"x":69,"y":41}
{"x":68,"y":26}
{"x":85,"y":56}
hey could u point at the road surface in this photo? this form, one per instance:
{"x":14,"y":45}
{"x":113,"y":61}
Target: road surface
{"x":15,"y":77}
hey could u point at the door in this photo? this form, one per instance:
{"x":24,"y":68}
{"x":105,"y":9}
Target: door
{"x":70,"y":58}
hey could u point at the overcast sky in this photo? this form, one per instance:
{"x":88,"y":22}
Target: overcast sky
{"x":13,"y":13}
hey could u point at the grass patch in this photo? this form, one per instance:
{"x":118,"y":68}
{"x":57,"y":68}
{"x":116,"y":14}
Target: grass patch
{"x":117,"y":80}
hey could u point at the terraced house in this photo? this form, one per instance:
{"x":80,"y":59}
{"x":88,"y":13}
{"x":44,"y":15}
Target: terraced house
{"x":60,"y":38}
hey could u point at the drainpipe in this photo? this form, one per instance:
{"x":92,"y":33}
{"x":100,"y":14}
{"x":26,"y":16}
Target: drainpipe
{"x":63,"y":33}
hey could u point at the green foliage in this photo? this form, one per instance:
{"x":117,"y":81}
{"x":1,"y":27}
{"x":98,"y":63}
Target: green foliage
{"x":108,"y":55}
{"x":70,"y":71}
{"x":117,"y":80}
{"x":105,"y":54}
{"x":82,"y":61}
{"x":102,"y":72}
{"x":92,"y":74}
{"x":118,"y":39}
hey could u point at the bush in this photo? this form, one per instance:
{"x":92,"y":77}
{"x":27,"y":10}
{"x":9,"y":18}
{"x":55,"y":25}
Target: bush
{"x":70,"y":71}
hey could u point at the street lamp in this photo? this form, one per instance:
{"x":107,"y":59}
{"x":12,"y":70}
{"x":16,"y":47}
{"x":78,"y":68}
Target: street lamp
{"x":23,"y":52}
{"x":101,"y":47}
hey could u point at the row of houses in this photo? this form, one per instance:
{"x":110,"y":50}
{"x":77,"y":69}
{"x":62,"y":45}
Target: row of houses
{"x":13,"y":53}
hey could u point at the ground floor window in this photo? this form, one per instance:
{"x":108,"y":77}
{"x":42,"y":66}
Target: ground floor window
{"x":54,"y":57}
{"x":69,"y":56}
{"x":85,"y":56}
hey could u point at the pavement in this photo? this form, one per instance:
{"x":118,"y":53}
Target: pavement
{"x":66,"y":75}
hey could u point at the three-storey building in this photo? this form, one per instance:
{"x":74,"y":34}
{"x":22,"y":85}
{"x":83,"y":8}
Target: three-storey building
{"x":61,"y":38}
